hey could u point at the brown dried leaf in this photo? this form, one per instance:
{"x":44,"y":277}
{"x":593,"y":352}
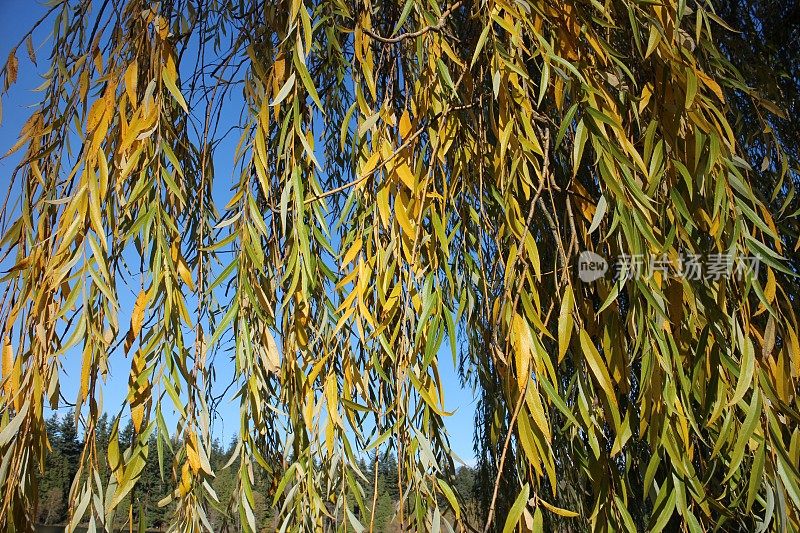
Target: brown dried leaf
{"x":12,"y":68}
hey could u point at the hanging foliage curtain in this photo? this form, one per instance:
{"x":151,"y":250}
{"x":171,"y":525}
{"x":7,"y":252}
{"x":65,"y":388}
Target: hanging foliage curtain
{"x":411,"y":180}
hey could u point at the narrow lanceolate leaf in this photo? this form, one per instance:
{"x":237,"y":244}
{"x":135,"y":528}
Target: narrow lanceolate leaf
{"x":769,"y":337}
{"x":170,"y":80}
{"x":581,"y":135}
{"x":557,"y":510}
{"x":745,"y":433}
{"x":284,"y":92}
{"x":565,"y":322}
{"x":523,"y":349}
{"x":746,"y":371}
{"x":273,"y":359}
{"x":137,"y":319}
{"x":9,"y":385}
{"x":598,"y":367}
{"x":516,"y":510}
{"x":599,"y":213}
{"x":451,"y":497}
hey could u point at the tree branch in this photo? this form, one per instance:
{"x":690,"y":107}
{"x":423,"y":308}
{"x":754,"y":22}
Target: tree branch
{"x":436,"y":27}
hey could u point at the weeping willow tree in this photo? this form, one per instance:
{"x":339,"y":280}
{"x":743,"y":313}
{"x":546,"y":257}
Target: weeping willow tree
{"x":410,"y":181}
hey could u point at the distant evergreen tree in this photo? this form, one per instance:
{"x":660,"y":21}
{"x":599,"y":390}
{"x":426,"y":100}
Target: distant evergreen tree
{"x":66,"y":445}
{"x":69,"y":443}
{"x":102,"y":438}
{"x":51,"y":484}
{"x":384,"y":511}
{"x":387,"y":469}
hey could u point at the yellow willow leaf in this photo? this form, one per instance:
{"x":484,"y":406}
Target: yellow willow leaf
{"x":534,"y":402}
{"x":581,"y":135}
{"x":317,"y":368}
{"x":769,"y":337}
{"x":451,"y":497}
{"x":131,"y":81}
{"x":523,"y":349}
{"x":185,"y":274}
{"x":301,"y":333}
{"x":558,"y":510}
{"x":137,"y":317}
{"x":653,"y":40}
{"x":129,"y":164}
{"x":402,"y":218}
{"x":794,"y":349}
{"x":383,"y":206}
{"x":86,"y":368}
{"x":96,"y":113}
{"x":353,"y":251}
{"x":191,"y":453}
{"x":644,"y":99}
{"x":598,"y":367}
{"x":406,"y":176}
{"x":371,"y":163}
{"x":746,"y":370}
{"x":137,"y":415}
{"x":16,"y":380}
{"x":770,"y":287}
{"x":330,"y":435}
{"x":113,"y":454}
{"x":711,"y":84}
{"x":170,"y":77}
{"x":348,"y":302}
{"x":308,"y":409}
{"x":186,"y":480}
{"x":565,"y":322}
{"x":332,"y":397}
{"x":102,"y":173}
{"x":273,"y":359}
{"x":405,"y":125}
{"x":9,"y":387}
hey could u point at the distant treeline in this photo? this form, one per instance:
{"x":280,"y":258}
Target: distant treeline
{"x":66,"y":444}
{"x":61,"y":466}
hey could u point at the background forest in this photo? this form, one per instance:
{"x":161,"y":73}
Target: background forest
{"x":62,"y":465}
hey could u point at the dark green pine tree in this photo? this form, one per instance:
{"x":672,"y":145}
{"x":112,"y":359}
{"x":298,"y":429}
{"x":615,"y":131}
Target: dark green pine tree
{"x":52,"y":498}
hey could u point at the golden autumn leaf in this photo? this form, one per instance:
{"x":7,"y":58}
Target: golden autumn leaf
{"x":598,"y":367}
{"x":12,"y":68}
{"x":405,"y":124}
{"x":370,"y":164}
{"x":192,"y":455}
{"x":406,"y":176}
{"x":137,"y":319}
{"x":523,"y":350}
{"x":565,"y":322}
{"x":272,"y":360}
{"x":10,"y":384}
{"x":132,"y":82}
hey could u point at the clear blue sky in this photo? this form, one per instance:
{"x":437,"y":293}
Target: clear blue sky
{"x":16,"y":17}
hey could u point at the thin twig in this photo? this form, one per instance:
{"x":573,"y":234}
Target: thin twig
{"x":436,"y":27}
{"x":506,"y":444}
